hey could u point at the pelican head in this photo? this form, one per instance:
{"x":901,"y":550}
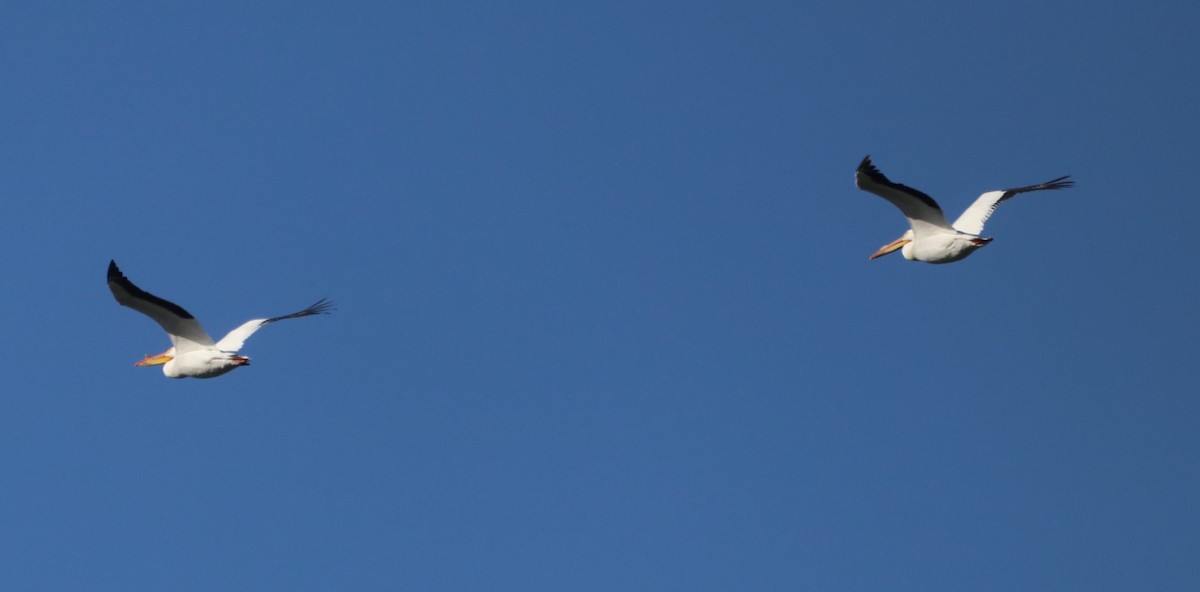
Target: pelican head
{"x":904,"y":242}
{"x":160,"y":359}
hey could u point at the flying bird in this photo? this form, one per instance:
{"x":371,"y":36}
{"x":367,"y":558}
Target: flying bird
{"x":931,"y":239}
{"x":193,"y":353}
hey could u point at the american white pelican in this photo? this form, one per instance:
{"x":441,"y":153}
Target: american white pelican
{"x":931,"y":239}
{"x":192,"y":353}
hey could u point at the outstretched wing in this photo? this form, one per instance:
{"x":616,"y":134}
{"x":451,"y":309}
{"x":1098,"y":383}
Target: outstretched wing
{"x":924,"y":214}
{"x":972,"y":220}
{"x":185,"y":331}
{"x":236,"y":338}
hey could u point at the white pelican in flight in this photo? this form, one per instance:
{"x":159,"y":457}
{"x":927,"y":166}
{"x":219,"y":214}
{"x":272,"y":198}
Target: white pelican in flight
{"x":192,"y":353}
{"x":931,"y":239}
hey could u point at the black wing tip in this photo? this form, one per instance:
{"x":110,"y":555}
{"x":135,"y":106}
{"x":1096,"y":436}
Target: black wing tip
{"x":322,"y":306}
{"x":867,"y":168}
{"x":116,"y":277}
{"x":1062,"y":182}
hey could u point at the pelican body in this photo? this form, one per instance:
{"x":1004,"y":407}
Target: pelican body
{"x":931,"y":238}
{"x":192,"y":353}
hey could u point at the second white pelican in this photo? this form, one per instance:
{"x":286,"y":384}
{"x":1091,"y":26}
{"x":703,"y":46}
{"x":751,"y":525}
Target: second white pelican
{"x":193,"y":353}
{"x":932,"y":239}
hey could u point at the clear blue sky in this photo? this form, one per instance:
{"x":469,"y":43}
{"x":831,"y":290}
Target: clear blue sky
{"x":606,"y":319}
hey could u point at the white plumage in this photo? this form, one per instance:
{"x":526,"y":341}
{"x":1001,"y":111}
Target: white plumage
{"x":193,"y":353}
{"x":932,"y":239}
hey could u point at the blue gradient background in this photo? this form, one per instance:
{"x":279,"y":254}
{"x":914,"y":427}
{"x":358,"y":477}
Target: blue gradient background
{"x":606,"y":319}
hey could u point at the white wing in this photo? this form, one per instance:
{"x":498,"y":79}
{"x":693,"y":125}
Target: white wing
{"x":924,"y":214}
{"x":235,"y":339}
{"x":185,"y":331}
{"x":972,"y":220}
